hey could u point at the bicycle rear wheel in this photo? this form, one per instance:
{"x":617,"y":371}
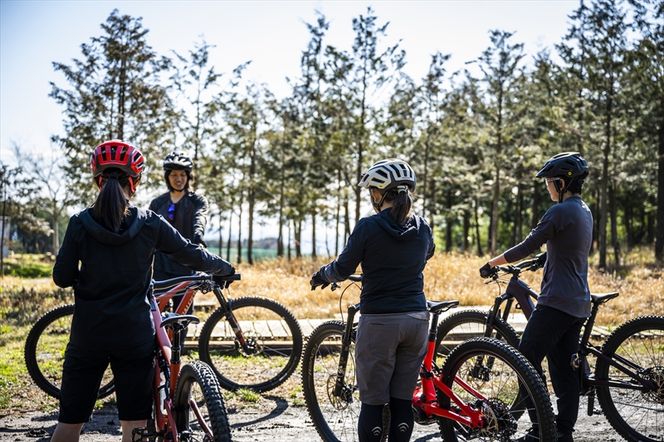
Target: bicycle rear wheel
{"x":516,"y":398}
{"x":198,"y":405}
{"x":636,"y":413}
{"x":273,"y":345}
{"x":463,"y":325}
{"x":44,"y":352}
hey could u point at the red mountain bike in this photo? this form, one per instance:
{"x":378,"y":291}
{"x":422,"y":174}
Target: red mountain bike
{"x":483,"y":390}
{"x":188,"y":404}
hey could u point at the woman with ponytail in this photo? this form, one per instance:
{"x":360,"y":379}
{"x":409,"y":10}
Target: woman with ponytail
{"x":393,"y":247}
{"x":106,"y":256}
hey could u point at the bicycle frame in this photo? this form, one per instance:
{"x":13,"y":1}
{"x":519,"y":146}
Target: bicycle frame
{"x":425,"y":397}
{"x":519,"y":290}
{"x":166,"y":374}
{"x":190,"y":285}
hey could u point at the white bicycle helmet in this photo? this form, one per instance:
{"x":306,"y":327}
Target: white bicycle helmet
{"x":388,"y":174}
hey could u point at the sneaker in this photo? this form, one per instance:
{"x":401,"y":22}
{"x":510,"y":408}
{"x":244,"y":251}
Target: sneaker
{"x":531,"y":436}
{"x":565,"y":437}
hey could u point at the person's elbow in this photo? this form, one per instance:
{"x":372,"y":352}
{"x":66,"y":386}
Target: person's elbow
{"x":62,"y":280}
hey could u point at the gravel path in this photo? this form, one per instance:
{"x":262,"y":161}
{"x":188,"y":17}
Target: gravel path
{"x":274,"y":420}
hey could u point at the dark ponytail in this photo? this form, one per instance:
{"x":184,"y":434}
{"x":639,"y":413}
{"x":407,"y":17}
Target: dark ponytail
{"x":402,"y":202}
{"x":111,"y":205}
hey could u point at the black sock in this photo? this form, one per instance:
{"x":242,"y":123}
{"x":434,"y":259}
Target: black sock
{"x":401,"y":420}
{"x":370,"y":423}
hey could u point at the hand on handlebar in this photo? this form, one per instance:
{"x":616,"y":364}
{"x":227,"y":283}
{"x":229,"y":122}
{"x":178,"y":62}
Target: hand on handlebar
{"x":317,"y":280}
{"x":487,"y":271}
{"x":222,"y":280}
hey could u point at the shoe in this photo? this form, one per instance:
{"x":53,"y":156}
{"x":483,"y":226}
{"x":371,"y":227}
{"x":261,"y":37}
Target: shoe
{"x":565,"y":437}
{"x":531,"y":436}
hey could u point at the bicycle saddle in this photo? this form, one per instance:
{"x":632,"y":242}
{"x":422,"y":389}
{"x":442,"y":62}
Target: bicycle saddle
{"x":441,"y":306}
{"x":601,"y":298}
{"x":178,"y":321}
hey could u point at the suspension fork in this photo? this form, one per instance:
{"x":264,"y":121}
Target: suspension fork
{"x":230,"y":317}
{"x":340,"y":383}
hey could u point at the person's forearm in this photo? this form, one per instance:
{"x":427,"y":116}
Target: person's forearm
{"x":498,"y":261}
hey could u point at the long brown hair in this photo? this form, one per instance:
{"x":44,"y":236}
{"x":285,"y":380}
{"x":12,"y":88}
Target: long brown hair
{"x":111,"y":206}
{"x":402,"y":203}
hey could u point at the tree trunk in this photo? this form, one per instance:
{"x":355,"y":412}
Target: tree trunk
{"x":280,"y":235}
{"x":449,"y":222}
{"x":251,"y":196}
{"x":477,"y":228}
{"x":221,"y":239}
{"x":313,"y":234}
{"x":535,"y":208}
{"x":659,"y":233}
{"x":466,"y":230}
{"x":628,"y":222}
{"x":337,"y":215}
{"x":230,"y":230}
{"x":288,"y":244}
{"x":239,"y":230}
{"x":604,"y":197}
{"x":614,"y":227}
{"x":298,"y":238}
{"x":346,"y":218}
{"x":493,"y":232}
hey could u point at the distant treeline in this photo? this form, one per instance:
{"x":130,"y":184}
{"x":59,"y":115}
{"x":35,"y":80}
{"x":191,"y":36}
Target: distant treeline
{"x":475,"y":137}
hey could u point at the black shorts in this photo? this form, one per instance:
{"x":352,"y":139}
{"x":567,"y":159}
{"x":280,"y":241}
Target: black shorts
{"x":84,"y":366}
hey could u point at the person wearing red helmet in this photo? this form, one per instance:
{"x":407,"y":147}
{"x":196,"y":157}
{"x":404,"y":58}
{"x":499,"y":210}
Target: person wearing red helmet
{"x":106,"y":256}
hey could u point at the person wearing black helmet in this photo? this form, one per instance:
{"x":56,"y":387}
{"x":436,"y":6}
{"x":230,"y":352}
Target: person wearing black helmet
{"x":564,"y":302}
{"x":393,"y":247}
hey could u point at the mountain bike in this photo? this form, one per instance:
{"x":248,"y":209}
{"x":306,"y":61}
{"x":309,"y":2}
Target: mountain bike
{"x":188,"y":404}
{"x":465,"y":397}
{"x":249,"y":342}
{"x":628,"y":380}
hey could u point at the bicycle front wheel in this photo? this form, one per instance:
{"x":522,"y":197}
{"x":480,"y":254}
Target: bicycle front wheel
{"x":635,"y":409}
{"x":270,"y":352}
{"x":198,"y":406}
{"x":512,"y":397}
{"x":44,"y":352}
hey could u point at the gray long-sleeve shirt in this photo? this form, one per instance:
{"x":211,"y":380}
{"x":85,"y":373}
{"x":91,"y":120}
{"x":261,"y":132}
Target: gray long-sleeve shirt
{"x":567,"y":230}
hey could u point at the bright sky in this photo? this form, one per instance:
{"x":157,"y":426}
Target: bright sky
{"x":34,"y":33}
{"x":272,"y":34}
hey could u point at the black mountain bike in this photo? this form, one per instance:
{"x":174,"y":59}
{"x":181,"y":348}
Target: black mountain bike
{"x":628,"y":380}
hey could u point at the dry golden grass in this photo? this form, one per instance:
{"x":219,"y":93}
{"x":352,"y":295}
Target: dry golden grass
{"x":447,"y":276}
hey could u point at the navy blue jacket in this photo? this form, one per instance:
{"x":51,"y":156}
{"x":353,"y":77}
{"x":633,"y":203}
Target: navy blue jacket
{"x":110,"y":273}
{"x":567,"y":230}
{"x":392,"y":256}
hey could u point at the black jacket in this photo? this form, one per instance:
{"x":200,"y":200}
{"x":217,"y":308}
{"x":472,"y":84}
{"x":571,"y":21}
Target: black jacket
{"x":190,"y":220}
{"x":110,"y":273}
{"x":567,"y":230}
{"x":392,"y":256}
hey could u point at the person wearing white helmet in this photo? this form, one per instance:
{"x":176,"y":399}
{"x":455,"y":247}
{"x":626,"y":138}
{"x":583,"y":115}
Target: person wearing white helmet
{"x":393,"y":247}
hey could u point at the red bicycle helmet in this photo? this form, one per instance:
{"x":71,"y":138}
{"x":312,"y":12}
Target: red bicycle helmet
{"x":117,"y":154}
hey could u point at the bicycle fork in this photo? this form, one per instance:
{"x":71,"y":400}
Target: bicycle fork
{"x":340,"y":388}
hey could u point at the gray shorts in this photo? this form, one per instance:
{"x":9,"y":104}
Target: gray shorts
{"x":388,"y":355}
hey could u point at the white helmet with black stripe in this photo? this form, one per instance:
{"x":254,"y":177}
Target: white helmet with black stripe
{"x":388,"y":174}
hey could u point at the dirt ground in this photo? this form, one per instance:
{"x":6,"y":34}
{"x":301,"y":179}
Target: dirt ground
{"x":272,"y":419}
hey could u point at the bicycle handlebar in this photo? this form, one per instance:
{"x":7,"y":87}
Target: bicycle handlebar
{"x":197,"y":277}
{"x":532,"y":265}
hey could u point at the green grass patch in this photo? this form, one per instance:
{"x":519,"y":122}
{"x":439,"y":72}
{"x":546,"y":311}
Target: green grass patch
{"x":246,"y":395}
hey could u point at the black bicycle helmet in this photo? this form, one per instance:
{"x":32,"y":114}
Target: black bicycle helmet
{"x":566,"y":165}
{"x":178,"y":161}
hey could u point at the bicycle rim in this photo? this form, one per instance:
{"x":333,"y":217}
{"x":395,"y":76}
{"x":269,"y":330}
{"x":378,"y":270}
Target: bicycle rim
{"x":635,"y":414}
{"x":274,"y":345}
{"x":516,"y":398}
{"x":334,"y":416}
{"x":199,"y":408}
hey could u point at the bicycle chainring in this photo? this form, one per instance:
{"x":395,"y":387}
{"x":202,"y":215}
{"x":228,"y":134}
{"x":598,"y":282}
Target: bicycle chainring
{"x":252,"y":347}
{"x":656,"y":376}
{"x":499,"y":423}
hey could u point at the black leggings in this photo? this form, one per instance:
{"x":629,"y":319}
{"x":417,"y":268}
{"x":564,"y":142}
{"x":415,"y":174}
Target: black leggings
{"x":370,"y":422}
